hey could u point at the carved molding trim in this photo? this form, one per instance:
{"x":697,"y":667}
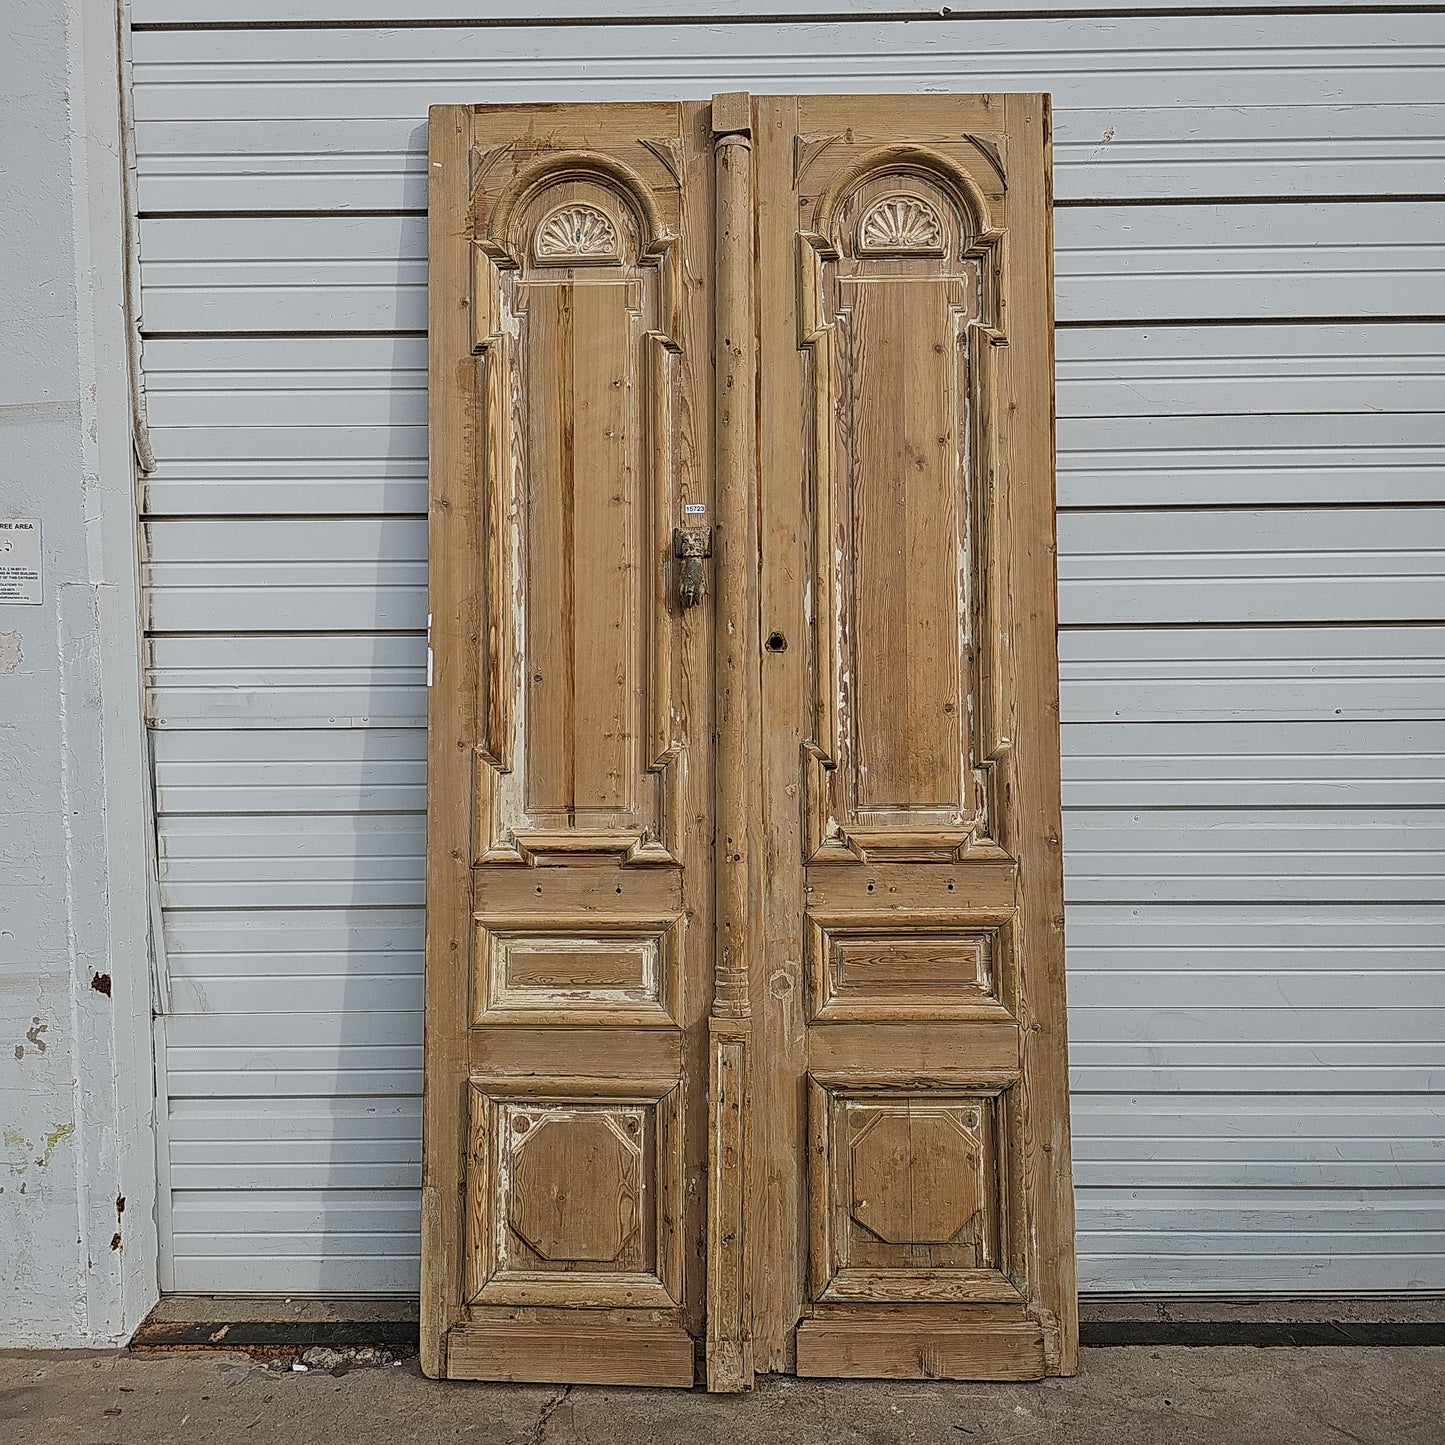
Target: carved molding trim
{"x":922,"y":964}
{"x":651,"y":996}
{"x":900,"y":226}
{"x":807,"y":149}
{"x":646,"y":1119}
{"x":576,"y":232}
{"x":908,"y":160}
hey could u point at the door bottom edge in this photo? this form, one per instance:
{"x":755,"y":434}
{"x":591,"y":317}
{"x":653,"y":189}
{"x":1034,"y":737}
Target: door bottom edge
{"x":868,"y":1350}
{"x":572,"y":1354}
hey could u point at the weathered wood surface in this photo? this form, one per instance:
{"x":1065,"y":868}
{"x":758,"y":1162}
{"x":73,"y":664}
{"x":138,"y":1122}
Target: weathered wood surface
{"x":751,"y":1012}
{"x":566,"y":1126}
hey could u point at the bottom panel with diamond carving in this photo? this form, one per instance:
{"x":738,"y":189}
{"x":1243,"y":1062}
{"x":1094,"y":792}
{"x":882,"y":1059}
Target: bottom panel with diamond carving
{"x":908,"y":1197}
{"x":573,"y":1197}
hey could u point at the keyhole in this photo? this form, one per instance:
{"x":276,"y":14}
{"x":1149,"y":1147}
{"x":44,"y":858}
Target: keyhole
{"x":776,"y":642}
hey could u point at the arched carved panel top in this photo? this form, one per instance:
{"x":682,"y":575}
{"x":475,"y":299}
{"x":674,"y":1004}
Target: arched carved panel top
{"x":579,"y":222}
{"x":902,"y":164}
{"x":902,"y":221}
{"x":575,"y":206}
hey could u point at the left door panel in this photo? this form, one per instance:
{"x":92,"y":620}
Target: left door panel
{"x":569,"y":884}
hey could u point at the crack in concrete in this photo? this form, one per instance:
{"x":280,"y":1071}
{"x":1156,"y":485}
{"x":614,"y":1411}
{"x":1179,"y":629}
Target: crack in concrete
{"x":549,"y":1408}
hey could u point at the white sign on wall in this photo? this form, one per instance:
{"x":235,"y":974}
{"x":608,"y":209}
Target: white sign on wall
{"x":19,"y":559}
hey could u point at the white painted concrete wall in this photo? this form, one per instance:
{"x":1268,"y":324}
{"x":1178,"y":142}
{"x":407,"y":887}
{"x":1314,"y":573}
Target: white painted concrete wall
{"x":75,"y":1068}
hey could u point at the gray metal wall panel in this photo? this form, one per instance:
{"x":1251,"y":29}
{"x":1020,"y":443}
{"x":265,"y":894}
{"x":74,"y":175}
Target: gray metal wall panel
{"x":1252,"y":436}
{"x":465,"y":13}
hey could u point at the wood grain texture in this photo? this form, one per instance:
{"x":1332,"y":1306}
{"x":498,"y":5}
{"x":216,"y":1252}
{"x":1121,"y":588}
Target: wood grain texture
{"x":452,"y":727}
{"x":922,"y":1352}
{"x":914,"y":371}
{"x":573,"y":1193}
{"x":573,"y":1012}
{"x":778,"y":1213}
{"x":817,"y":966}
{"x":575,"y":269}
{"x":1027,"y":450}
{"x":576,"y":1353}
{"x":737,"y":853}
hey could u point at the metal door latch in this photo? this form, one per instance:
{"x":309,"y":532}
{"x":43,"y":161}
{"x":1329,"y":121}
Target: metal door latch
{"x":690,"y":545}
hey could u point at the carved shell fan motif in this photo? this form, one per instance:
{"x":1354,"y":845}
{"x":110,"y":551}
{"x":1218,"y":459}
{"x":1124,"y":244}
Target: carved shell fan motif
{"x":577,"y":232}
{"x":900,"y":225}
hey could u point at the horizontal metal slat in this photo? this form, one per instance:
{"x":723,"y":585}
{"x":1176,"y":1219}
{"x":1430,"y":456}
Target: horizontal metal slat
{"x":1120,"y":766}
{"x":1102,"y":152}
{"x":1132,"y":62}
{"x":1115,"y":568}
{"x":410,"y":12}
{"x":368,"y":273}
{"x":331,"y":1267}
{"x":221,"y":381}
{"x":1253,"y":765}
{"x":300,"y":680}
{"x":1260,"y":673}
{"x":1269,"y":855}
{"x":1111,"y":676}
{"x":1267,"y":1068}
{"x":325,"y":861}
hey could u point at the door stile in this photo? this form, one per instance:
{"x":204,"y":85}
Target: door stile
{"x":1027,"y":428}
{"x":454,"y":537}
{"x":737,"y":823}
{"x":779,"y":1204}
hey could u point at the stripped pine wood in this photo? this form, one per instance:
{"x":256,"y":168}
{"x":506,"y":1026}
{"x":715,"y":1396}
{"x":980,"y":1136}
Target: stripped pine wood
{"x":745,"y":1030}
{"x":780,"y":1203}
{"x":911,"y":714}
{"x":454,"y":530}
{"x":566,"y":1102}
{"x":737,"y":857}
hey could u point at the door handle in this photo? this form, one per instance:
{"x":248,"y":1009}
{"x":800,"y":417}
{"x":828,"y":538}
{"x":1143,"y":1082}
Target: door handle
{"x":690,"y":545}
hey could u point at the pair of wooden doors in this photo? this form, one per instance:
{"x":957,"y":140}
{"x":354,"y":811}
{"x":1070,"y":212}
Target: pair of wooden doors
{"x":745,"y":1007}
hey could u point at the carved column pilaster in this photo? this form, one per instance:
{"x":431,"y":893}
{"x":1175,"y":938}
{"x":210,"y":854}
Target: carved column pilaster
{"x":738,"y":856}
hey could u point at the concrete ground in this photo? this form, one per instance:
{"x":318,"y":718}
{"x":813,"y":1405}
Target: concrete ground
{"x":1123,"y":1396}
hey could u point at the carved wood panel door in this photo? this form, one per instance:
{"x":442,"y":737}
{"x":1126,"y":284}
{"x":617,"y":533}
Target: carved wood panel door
{"x":744,"y":1022}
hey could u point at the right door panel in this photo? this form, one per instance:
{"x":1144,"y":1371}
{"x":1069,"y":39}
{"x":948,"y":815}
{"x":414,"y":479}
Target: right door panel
{"x":913,"y":1202}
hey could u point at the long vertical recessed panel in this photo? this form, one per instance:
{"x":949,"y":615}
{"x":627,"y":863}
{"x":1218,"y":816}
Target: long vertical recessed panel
{"x":898,"y":309}
{"x":579,"y":379}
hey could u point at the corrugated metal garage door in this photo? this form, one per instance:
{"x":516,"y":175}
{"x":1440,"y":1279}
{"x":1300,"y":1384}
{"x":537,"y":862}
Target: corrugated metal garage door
{"x":1251,"y":245}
